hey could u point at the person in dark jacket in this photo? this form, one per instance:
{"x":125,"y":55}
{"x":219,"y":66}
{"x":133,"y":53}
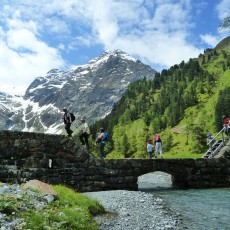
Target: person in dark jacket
{"x":67,"y":121}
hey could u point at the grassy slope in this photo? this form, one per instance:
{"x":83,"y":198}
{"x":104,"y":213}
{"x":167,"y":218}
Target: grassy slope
{"x":206,"y":109}
{"x":71,"y":210}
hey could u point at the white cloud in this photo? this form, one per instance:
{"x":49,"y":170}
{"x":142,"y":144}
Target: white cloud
{"x":154,"y":34}
{"x":34,"y":33}
{"x":223,"y":9}
{"x":56,"y":25}
{"x":210,"y":39}
{"x":23,"y":57}
{"x":171,"y":50}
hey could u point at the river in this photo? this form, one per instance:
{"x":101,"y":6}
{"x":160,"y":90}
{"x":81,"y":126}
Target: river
{"x":200,"y":209}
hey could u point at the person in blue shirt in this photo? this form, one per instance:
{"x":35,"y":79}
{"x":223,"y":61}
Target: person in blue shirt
{"x":149,"y":149}
{"x":209,"y":138}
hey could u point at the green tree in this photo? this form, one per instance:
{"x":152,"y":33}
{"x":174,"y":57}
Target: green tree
{"x":222,"y":107}
{"x":155,"y":125}
{"x":118,"y":139}
{"x":167,"y":140}
{"x":198,"y":139}
{"x":125,"y":117}
{"x":124,"y":145}
{"x":188,"y":130}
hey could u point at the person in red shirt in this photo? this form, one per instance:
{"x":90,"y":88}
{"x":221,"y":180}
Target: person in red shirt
{"x":226,"y":126}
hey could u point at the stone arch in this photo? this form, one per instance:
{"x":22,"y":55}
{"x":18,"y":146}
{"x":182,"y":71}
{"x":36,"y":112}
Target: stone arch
{"x":155,"y":180}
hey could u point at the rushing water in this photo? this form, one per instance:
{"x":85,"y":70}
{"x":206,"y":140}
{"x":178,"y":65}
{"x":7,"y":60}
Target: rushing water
{"x":199,"y":209}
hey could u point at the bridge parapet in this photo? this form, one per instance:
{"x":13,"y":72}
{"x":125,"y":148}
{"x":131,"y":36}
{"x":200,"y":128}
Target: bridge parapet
{"x":56,"y":159}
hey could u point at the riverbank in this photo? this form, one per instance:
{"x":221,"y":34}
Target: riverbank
{"x":135,"y":209}
{"x":37,"y":205}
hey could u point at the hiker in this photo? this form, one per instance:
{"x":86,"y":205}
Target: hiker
{"x":158,"y":145}
{"x":101,"y":140}
{"x":149,"y":149}
{"x":67,"y":121}
{"x":84,"y":135}
{"x":226,"y":126}
{"x":209,"y":138}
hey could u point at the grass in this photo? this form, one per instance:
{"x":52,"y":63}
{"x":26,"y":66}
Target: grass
{"x":8,"y":205}
{"x":70,"y":210}
{"x":179,"y":147}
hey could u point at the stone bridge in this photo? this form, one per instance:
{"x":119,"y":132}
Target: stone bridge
{"x":55,"y":159}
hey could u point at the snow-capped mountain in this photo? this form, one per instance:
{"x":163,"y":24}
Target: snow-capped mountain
{"x":88,"y":90}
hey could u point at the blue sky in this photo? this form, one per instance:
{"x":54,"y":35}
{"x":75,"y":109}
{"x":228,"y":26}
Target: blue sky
{"x":37,"y":36}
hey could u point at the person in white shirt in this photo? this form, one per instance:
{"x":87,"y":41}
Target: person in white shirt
{"x":158,"y":145}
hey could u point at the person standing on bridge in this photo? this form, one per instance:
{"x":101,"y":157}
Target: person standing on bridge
{"x":67,"y":121}
{"x":84,"y":135}
{"x":149,"y":149}
{"x":158,"y":145}
{"x":102,"y":139}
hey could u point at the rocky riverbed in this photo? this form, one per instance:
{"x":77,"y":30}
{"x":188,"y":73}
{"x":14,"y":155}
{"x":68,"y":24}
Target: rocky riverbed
{"x":135,"y":209}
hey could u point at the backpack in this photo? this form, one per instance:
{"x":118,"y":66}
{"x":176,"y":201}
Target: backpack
{"x":72,"y":117}
{"x":106,"y":137}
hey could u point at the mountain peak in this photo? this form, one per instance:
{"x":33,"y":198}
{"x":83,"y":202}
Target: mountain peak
{"x":115,"y":53}
{"x":120,"y":53}
{"x":103,"y":58}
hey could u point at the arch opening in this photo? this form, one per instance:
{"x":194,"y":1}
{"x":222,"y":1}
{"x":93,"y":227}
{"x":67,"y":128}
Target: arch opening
{"x":155,"y":181}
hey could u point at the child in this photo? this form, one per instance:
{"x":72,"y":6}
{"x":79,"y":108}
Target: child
{"x":149,"y":149}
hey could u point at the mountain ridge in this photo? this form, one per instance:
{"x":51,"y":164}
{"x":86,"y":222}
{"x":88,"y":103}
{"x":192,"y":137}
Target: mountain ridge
{"x":88,"y":90}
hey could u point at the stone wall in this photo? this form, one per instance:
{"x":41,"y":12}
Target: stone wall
{"x":197,"y":173}
{"x":57,"y":159}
